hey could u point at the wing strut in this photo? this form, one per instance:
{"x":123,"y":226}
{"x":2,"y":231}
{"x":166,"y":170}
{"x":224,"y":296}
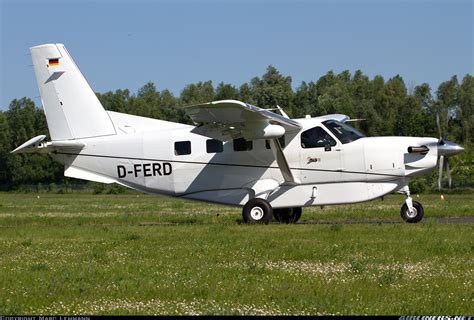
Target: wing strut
{"x":281,"y":161}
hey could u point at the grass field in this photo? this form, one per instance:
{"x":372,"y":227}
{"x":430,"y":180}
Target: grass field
{"x":138,"y":254}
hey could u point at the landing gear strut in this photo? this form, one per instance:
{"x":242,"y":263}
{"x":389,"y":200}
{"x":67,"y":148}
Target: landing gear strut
{"x":411,"y":211}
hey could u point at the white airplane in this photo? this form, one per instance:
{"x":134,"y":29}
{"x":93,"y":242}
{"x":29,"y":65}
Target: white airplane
{"x":237,"y":154}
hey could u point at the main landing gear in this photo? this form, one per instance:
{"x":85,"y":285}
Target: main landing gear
{"x":411,"y":211}
{"x":287,"y":215}
{"x":258,"y":210}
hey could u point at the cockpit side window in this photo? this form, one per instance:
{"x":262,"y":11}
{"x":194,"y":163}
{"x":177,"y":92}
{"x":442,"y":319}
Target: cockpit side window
{"x":316,"y":137}
{"x":344,"y":132}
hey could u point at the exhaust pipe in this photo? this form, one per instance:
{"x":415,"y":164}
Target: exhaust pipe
{"x":421,"y":149}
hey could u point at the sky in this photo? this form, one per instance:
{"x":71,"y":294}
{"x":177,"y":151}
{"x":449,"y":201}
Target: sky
{"x":125,"y":44}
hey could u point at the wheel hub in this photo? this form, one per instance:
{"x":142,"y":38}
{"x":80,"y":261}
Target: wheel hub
{"x":412,"y":214}
{"x":256,"y":213}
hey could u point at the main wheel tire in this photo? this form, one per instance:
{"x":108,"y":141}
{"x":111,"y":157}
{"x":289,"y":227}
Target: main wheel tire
{"x":416,"y":216}
{"x":278,"y":214}
{"x":287,"y":215}
{"x":257,"y":211}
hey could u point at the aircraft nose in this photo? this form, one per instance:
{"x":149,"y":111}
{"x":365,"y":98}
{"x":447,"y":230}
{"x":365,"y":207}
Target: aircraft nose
{"x":448,"y":148}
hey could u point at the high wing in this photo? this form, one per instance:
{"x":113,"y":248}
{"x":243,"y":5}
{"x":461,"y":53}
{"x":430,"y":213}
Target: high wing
{"x":235,"y":119}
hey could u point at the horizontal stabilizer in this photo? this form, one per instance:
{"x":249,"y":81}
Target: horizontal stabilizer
{"x":30,"y":145}
{"x":36,"y":144}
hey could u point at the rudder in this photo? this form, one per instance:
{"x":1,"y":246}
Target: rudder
{"x":72,"y":109}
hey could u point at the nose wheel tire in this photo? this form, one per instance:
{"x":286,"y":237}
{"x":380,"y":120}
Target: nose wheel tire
{"x":415,"y":216}
{"x":257,"y":211}
{"x":287,"y":215}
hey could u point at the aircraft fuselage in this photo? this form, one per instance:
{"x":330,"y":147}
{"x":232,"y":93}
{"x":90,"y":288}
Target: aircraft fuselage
{"x":143,"y":156}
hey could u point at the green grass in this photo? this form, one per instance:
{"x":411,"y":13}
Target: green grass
{"x":138,"y":254}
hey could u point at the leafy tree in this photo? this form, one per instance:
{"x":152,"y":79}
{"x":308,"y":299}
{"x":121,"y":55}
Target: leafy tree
{"x":427,"y":120}
{"x":147,"y":102}
{"x":363,"y":103}
{"x":305,"y":100}
{"x":5,"y":146}
{"x":466,"y":109}
{"x":272,"y":90}
{"x":246,"y":94}
{"x":5,"y":139}
{"x":336,"y":95}
{"x":388,"y":103}
{"x":409,"y":118}
{"x":28,"y":122}
{"x":447,"y":102}
{"x":200,"y":92}
{"x":116,"y":101}
{"x":360,"y":87}
{"x":22,"y":116}
{"x":226,"y":91}
{"x":325,"y":82}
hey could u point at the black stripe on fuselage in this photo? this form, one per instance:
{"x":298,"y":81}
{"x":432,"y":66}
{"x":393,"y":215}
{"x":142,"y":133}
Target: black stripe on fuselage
{"x":224,"y":164}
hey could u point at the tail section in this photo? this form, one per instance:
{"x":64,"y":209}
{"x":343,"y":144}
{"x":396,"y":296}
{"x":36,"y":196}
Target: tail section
{"x":71,"y":107}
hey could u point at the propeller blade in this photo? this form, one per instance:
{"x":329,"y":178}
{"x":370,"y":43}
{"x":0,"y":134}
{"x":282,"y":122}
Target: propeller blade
{"x":448,"y":173}
{"x":440,"y":172}
{"x":447,"y":124}
{"x":439,"y":126}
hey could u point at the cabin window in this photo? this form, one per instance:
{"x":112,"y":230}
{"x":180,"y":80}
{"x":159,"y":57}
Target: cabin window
{"x":182,"y":148}
{"x":281,"y":139}
{"x":242,"y":145}
{"x":214,"y":146}
{"x":316,"y":137}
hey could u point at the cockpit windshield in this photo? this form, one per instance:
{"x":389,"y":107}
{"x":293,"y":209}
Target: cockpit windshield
{"x":344,"y":132}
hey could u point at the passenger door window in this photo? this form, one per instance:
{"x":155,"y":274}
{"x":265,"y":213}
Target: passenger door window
{"x":316,"y":137}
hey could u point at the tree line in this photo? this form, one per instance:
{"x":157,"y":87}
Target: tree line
{"x":389,"y":107}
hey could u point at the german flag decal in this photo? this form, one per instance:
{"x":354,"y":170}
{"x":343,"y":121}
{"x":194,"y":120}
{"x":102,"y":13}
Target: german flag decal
{"x":53,"y":62}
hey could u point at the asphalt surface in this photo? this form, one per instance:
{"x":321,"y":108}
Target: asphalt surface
{"x":443,"y":220}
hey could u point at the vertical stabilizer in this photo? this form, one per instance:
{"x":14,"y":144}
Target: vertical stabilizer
{"x":71,"y":107}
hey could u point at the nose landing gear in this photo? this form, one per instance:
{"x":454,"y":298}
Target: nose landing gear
{"x":411,"y":211}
